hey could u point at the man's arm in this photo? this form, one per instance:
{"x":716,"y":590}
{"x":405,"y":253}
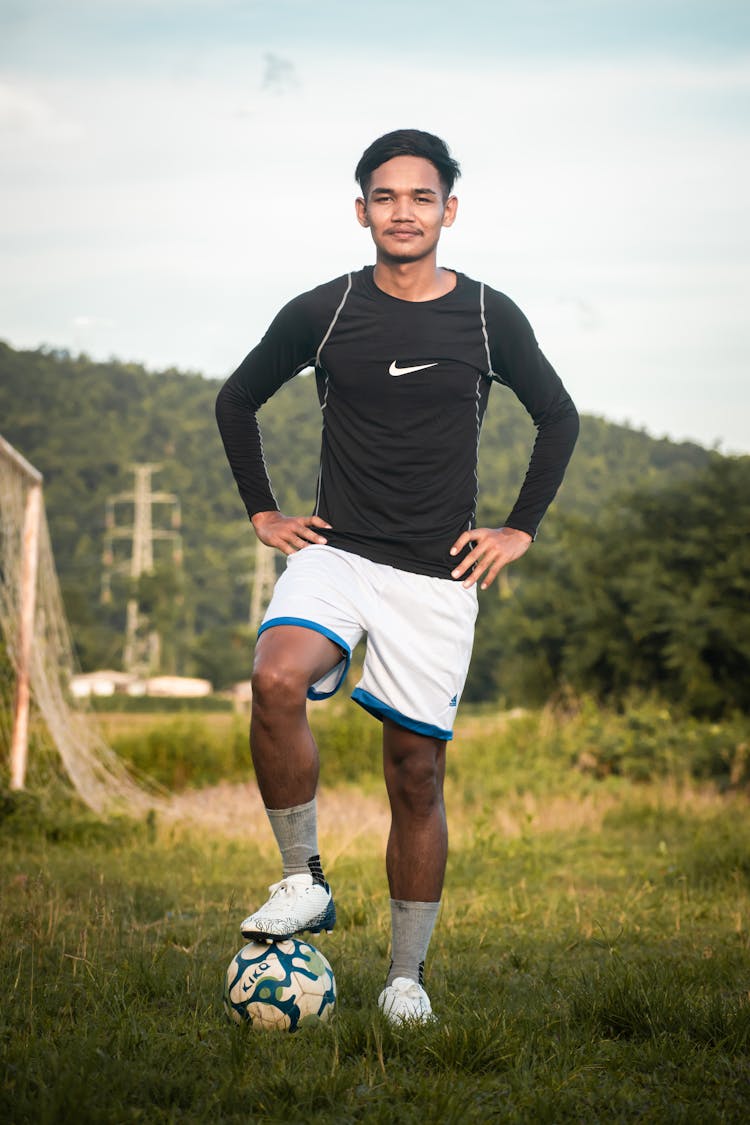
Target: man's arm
{"x":287,"y":347}
{"x":518,"y":362}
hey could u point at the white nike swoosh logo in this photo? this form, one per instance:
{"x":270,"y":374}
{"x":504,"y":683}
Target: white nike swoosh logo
{"x":394,"y":369}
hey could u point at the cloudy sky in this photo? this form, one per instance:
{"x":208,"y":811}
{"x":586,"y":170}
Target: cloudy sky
{"x":175,"y":170}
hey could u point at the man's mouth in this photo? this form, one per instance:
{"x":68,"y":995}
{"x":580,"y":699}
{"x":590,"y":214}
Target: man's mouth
{"x":403,"y":232}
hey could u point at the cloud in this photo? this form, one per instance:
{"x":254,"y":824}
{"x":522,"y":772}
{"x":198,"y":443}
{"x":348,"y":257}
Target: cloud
{"x":583,"y":314}
{"x":279,"y":74}
{"x":25,"y":113}
{"x":84,"y":321}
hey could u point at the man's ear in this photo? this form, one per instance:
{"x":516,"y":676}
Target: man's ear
{"x":361,"y":208}
{"x":451,"y":207}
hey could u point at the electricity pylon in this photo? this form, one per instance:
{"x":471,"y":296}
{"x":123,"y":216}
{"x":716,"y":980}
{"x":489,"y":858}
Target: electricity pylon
{"x":141,"y":652}
{"x":264,"y":577}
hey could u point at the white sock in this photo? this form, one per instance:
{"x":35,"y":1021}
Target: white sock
{"x":412,"y":925}
{"x":296,"y":832}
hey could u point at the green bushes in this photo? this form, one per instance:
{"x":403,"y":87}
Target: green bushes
{"x":188,"y":751}
{"x":206,"y":749}
{"x":645,"y":741}
{"x":648,"y":740}
{"x":350,"y":743}
{"x":157,"y":705}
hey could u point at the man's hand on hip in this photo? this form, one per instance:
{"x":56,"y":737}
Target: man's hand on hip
{"x":288,"y":534}
{"x":494,"y":548}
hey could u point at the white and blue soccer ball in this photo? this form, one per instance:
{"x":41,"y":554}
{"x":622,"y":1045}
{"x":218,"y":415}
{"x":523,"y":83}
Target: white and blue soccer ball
{"x":277,"y":987}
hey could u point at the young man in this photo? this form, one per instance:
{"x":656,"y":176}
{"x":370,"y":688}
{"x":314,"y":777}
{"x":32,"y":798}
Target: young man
{"x":405,"y":354}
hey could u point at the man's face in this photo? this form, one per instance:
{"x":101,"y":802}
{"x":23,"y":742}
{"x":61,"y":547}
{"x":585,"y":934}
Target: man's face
{"x":405,"y":210}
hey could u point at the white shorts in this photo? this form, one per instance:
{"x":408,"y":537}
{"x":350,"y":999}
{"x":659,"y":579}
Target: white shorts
{"x":419,"y":629}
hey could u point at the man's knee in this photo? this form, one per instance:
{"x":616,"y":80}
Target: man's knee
{"x":288,"y":659}
{"x":278,"y":686}
{"x":415,"y":776}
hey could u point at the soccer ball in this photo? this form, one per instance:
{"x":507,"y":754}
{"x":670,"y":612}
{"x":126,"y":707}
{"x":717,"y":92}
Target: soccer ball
{"x":278,"y":987}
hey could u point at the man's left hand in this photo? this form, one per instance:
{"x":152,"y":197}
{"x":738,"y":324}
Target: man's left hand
{"x":494,"y":548}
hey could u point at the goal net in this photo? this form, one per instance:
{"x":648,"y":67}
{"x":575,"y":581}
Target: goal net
{"x":99,"y":777}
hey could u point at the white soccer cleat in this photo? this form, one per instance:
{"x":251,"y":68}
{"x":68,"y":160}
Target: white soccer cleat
{"x":296,"y":904}
{"x":405,"y":1001}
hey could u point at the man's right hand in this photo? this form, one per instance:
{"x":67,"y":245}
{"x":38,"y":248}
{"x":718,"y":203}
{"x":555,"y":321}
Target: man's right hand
{"x":288,"y":534}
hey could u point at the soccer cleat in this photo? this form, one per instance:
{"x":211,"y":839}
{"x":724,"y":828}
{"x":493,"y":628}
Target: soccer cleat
{"x":296,"y":904}
{"x":405,"y":1001}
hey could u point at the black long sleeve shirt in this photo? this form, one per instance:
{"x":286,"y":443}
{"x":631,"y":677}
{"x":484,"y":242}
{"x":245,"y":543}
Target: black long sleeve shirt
{"x":403,"y":387}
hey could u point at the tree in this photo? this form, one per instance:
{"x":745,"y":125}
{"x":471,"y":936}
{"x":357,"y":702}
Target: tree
{"x":653,"y":596}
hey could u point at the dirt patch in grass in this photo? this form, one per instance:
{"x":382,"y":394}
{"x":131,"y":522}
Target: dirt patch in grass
{"x":346,"y":814}
{"x":237,"y":810}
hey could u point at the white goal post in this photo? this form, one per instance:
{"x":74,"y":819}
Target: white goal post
{"x":37,"y":638}
{"x":19,"y":747}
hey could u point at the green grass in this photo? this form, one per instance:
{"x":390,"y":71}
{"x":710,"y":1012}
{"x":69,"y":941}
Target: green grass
{"x":591,"y":962}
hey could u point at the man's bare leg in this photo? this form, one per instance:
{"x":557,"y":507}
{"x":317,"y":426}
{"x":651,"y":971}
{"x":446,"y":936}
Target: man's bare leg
{"x":288,"y":659}
{"x":414,"y":767}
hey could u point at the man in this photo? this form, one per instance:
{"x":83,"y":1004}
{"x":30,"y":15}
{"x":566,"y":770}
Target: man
{"x":405,"y":354}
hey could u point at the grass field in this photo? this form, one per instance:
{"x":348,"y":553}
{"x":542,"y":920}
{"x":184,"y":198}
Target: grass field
{"x":591,"y":961}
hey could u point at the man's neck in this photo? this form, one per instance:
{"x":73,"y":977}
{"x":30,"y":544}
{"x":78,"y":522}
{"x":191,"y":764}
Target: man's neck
{"x":414,"y":281}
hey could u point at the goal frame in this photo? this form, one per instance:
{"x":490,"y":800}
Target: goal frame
{"x":19,"y":748}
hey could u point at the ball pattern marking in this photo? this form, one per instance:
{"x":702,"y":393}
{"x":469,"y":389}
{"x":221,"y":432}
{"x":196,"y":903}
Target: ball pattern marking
{"x":277,"y":986}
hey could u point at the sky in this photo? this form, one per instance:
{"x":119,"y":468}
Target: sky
{"x":173,"y":171}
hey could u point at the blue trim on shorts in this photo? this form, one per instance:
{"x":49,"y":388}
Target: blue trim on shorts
{"x":383,"y":711}
{"x":303,"y":623}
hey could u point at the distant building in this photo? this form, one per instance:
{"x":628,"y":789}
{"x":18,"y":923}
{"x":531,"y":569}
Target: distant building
{"x":107,"y":683}
{"x":178,"y":687}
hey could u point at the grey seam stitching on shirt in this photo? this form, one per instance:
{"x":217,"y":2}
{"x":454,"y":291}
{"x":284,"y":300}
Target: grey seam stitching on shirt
{"x":476,"y":459}
{"x":320,"y":463}
{"x":490,"y":372}
{"x":324,"y":341}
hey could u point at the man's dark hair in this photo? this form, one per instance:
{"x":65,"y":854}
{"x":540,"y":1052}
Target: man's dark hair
{"x":408,"y":142}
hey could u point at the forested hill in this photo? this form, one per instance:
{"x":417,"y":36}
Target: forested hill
{"x":84,"y":423}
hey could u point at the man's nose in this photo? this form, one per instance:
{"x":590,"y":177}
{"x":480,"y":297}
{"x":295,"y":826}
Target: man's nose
{"x":404,"y":208}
